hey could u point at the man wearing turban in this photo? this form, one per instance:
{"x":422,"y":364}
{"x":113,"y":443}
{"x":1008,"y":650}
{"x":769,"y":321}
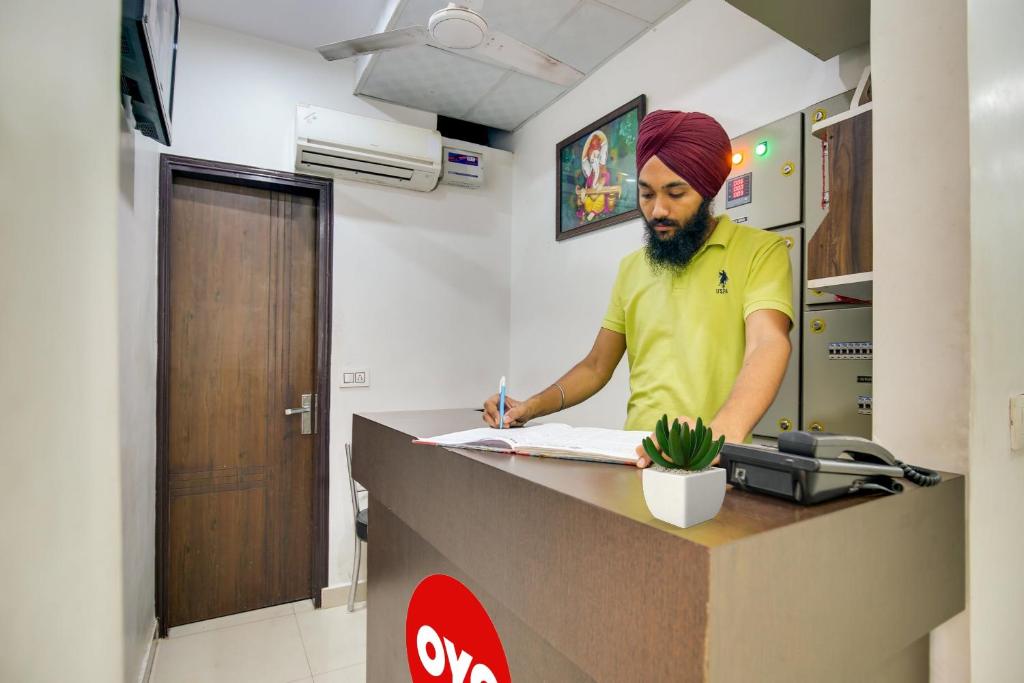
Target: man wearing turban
{"x":704,"y":309}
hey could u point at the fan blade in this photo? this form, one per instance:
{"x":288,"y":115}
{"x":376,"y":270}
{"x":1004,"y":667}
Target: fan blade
{"x":504,"y":50}
{"x":378,"y":42}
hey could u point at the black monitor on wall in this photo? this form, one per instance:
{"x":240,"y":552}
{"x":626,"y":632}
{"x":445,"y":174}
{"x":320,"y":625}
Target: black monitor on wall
{"x":149,"y":48}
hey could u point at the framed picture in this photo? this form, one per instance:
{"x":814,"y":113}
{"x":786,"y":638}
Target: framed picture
{"x":596,"y":179}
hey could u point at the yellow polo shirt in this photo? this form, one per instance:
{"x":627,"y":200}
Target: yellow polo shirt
{"x":685,"y":332}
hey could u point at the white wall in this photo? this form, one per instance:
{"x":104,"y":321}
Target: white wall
{"x":420,"y":279}
{"x":421,"y":287}
{"x":60,"y":493}
{"x":706,"y":57}
{"x":921,"y":252}
{"x":236,"y":95}
{"x":996,"y":95}
{"x":136,"y":271}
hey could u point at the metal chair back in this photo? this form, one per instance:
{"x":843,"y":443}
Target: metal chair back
{"x":354,"y":488}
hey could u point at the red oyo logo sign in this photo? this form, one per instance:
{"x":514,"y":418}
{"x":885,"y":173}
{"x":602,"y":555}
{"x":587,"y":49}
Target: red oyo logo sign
{"x":450,"y":638}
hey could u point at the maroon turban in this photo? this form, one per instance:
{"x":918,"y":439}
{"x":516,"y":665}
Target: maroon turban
{"x":693,"y":145}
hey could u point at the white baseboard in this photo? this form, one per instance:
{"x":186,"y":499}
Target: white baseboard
{"x":147,"y":664}
{"x":335,"y":596}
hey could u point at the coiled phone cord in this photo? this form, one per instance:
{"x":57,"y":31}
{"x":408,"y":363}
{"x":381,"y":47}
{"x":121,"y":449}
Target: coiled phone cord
{"x":922,"y":476}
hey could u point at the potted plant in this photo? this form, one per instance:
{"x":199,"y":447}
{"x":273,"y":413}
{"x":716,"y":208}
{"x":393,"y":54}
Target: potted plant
{"x":681,"y":487}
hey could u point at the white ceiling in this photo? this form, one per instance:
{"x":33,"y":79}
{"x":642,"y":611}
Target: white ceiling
{"x":582,"y":33}
{"x":299,"y":23}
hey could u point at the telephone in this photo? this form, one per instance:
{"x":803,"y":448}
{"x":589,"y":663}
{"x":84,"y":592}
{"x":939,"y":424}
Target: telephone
{"x":810,"y":467}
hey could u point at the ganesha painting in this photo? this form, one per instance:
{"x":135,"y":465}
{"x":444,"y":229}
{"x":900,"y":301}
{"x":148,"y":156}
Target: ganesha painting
{"x":597,"y":173}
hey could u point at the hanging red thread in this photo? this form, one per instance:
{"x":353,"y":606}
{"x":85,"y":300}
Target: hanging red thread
{"x":824,"y":174}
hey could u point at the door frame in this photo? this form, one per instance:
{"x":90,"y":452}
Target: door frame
{"x":322,"y":191}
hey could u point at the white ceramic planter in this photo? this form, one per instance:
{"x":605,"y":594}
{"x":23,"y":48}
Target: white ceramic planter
{"x":684,"y":498}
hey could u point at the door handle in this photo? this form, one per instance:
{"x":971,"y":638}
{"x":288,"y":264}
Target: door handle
{"x":306,"y":411}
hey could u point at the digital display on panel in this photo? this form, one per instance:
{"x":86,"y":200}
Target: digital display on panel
{"x":738,"y":190}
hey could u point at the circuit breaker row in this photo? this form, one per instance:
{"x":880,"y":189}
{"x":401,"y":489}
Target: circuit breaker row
{"x":849,"y":350}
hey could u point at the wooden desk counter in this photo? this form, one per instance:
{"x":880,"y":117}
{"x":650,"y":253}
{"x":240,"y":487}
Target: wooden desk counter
{"x":583,"y":584}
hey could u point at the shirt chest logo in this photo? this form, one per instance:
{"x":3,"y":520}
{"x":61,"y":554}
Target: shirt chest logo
{"x":723,"y":281}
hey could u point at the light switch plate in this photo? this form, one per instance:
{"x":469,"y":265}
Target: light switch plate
{"x":355,"y":377}
{"x":1017,"y":422}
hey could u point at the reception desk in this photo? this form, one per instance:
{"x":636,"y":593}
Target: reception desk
{"x":583,"y":584}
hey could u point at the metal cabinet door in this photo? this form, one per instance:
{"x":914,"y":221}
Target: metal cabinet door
{"x":784,"y":413}
{"x":837,"y":371}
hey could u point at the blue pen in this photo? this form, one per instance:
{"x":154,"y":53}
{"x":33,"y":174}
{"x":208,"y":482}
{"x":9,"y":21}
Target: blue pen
{"x":501,"y":403}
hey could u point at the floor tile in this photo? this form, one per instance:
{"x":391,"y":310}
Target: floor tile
{"x":303,"y":606}
{"x":268,"y":651}
{"x":334,"y":638}
{"x":230,"y":620}
{"x":350,"y":674}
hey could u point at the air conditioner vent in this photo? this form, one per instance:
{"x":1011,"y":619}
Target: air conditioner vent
{"x":369,"y":150}
{"x":342,"y":163}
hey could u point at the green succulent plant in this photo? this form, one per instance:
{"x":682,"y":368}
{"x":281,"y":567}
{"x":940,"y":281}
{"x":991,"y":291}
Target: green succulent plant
{"x":687,"y":449}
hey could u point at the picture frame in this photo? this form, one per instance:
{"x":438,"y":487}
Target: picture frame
{"x":596,"y":173}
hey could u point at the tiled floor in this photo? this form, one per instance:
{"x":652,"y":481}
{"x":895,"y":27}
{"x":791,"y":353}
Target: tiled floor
{"x":282,"y":644}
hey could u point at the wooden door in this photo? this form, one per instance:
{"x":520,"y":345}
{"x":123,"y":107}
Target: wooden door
{"x":240,"y":343}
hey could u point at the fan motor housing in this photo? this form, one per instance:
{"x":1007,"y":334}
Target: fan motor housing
{"x":457,"y":28}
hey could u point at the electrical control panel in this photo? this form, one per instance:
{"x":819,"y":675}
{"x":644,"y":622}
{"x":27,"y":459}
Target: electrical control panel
{"x":764,"y":188}
{"x":784,"y":413}
{"x":837,"y":371}
{"x":779,"y":182}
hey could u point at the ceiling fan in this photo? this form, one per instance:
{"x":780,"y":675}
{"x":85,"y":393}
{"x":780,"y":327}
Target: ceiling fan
{"x":460,"y":29}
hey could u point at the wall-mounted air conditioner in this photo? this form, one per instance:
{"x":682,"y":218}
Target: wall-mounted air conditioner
{"x":354,"y":147}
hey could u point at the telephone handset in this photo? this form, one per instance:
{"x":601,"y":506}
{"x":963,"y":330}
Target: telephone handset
{"x":820,"y":445}
{"x":811,"y":467}
{"x":834,"y":446}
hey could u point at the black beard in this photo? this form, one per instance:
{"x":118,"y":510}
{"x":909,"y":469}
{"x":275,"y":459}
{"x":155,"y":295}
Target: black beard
{"x":675,"y":253}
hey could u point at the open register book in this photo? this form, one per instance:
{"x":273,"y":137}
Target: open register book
{"x":549,"y":440}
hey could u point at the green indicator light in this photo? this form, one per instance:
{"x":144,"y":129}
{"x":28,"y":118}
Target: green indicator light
{"x":761,"y":149}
